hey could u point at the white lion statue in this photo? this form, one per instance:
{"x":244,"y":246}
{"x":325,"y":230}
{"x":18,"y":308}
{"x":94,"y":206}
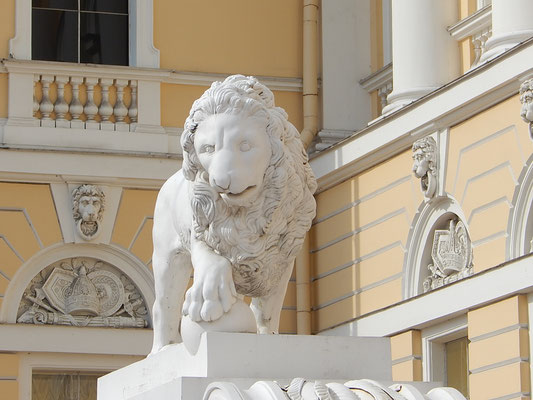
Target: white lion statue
{"x":237,"y":212}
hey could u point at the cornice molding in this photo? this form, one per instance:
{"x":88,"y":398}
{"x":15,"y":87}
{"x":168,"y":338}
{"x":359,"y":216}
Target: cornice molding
{"x":452,"y":103}
{"x":472,"y":24}
{"x":146,"y":74}
{"x":377,"y":79}
{"x":206,"y":79}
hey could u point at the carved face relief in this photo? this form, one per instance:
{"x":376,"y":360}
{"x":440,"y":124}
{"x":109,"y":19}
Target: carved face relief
{"x":425,"y":165}
{"x":235,"y":152}
{"x":88,"y":208}
{"x":420,"y":164}
{"x":526,"y":98}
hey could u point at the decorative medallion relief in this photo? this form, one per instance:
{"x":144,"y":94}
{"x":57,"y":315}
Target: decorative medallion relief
{"x":526,"y":98}
{"x":83,"y":292}
{"x":88,"y":209}
{"x":451,"y":254}
{"x":425,"y":165}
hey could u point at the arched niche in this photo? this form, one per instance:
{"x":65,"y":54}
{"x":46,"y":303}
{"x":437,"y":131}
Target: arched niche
{"x":431,"y":217}
{"x":119,"y":259}
{"x":520,"y":239}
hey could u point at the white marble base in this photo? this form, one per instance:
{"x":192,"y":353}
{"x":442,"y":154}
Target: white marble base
{"x":172,"y":372}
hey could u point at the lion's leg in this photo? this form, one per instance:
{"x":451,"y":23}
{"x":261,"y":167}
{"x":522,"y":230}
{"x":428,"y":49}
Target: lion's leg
{"x":267,"y":309}
{"x":213,"y":291}
{"x":171,"y":273}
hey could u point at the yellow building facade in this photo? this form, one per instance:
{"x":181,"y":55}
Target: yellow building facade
{"x":368,"y":268}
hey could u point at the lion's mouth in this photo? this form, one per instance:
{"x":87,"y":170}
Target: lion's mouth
{"x":237,"y":196}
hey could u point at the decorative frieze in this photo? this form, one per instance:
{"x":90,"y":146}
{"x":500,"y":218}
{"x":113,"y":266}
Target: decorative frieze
{"x":83,"y":292}
{"x":425,"y":165}
{"x":451,"y":253}
{"x":526,"y":98}
{"x":88,"y":210}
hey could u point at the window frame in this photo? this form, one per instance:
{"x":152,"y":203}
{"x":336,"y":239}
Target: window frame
{"x":142,"y":52}
{"x":60,"y":362}
{"x":434,"y":339}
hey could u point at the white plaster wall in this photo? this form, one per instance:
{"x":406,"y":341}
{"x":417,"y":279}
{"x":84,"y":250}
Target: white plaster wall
{"x":345,"y":60}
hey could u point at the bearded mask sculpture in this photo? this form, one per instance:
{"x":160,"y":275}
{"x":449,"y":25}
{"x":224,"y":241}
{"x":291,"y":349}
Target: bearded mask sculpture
{"x":237,"y":212}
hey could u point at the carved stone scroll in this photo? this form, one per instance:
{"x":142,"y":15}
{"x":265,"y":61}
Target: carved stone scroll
{"x":83,"y":292}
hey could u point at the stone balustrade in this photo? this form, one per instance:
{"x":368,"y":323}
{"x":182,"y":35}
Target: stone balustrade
{"x":86,"y":107}
{"x":84,"y":96}
{"x":77,"y":101}
{"x":477,"y":28}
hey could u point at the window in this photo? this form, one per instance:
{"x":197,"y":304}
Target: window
{"x":64,"y":386}
{"x":84,"y":31}
{"x":445,"y":353}
{"x":457,"y":364}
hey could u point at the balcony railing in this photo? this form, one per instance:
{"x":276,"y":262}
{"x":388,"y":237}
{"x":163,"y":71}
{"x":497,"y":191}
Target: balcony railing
{"x":75,"y":104}
{"x":56,"y":105}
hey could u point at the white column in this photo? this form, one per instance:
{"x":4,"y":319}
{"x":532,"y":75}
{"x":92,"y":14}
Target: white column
{"x":424,"y":55}
{"x":346,"y":105}
{"x":512,"y":23}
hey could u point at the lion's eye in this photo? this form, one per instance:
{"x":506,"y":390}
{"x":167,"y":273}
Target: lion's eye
{"x":245,"y":146}
{"x":207,"y":148}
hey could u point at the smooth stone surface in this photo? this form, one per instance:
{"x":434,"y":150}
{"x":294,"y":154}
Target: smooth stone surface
{"x":239,"y":318}
{"x":223,"y":356}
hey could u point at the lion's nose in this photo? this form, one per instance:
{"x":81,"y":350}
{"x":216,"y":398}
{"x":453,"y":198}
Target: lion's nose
{"x":221,"y":183}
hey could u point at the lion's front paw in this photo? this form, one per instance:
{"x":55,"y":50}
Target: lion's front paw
{"x":212,"y":293}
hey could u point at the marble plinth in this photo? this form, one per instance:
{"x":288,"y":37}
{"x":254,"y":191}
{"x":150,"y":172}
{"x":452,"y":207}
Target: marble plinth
{"x":246,"y":358}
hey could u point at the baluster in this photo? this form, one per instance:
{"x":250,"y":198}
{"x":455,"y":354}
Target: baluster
{"x":91,"y":109}
{"x":46,"y":107}
{"x":106,"y":109}
{"x":120,"y":111}
{"x":61,"y":105}
{"x":36,"y":78}
{"x":132,"y":111}
{"x":76,"y":108}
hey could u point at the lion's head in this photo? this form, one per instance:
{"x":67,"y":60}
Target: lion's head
{"x":526,"y":98}
{"x":253,"y":187}
{"x":424,"y":162}
{"x":88,"y":203}
{"x":88,"y":209}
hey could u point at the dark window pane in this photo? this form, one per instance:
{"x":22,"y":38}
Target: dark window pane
{"x":62,"y":4}
{"x":54,"y":35}
{"x":115,"y":6}
{"x":104,"y":39}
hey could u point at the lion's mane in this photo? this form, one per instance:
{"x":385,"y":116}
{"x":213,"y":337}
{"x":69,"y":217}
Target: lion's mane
{"x":260,"y":239}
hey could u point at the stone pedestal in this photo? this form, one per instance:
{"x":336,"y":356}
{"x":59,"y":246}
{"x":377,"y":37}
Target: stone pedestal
{"x":243,"y":359}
